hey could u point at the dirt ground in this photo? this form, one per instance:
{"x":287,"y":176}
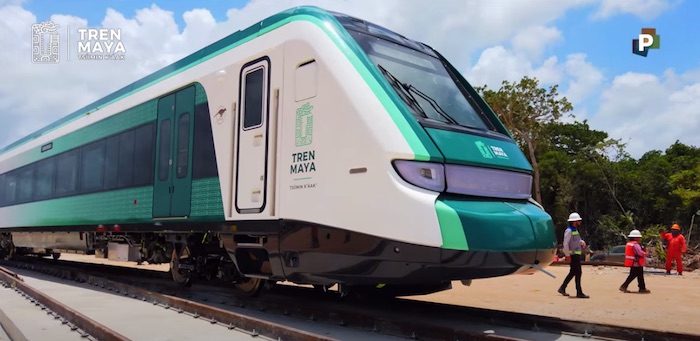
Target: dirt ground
{"x":672,"y":304}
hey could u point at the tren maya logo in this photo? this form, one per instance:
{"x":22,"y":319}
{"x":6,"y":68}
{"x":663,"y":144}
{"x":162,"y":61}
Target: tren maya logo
{"x":90,"y":43}
{"x":647,"y":40}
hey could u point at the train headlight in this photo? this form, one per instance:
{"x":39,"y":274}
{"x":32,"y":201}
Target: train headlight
{"x":488,"y":182}
{"x":422,"y":174}
{"x":467,"y":180}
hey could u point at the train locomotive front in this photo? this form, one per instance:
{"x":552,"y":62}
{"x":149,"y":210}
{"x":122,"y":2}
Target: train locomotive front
{"x":465,"y":167}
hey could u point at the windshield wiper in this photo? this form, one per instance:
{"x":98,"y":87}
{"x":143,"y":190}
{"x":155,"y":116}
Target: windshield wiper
{"x":406,"y":89}
{"x":433,"y":103}
{"x":396,"y":83}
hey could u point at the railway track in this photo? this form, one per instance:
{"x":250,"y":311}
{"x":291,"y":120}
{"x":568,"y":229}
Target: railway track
{"x":237,"y":326}
{"x":399,"y":317}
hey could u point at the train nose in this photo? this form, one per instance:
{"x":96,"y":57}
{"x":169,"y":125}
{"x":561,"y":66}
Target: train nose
{"x":501,"y":238}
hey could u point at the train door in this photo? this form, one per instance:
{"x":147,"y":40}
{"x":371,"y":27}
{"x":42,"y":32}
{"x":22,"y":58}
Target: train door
{"x":253,"y":138}
{"x":173,"y":173}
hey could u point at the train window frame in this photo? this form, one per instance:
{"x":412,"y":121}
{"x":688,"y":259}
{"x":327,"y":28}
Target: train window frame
{"x":92,"y":167}
{"x":203,"y":152}
{"x":2,"y":190}
{"x":126,"y":159}
{"x":143,"y":150}
{"x":76,"y":168}
{"x":28,"y":172}
{"x":111,"y":163}
{"x":164,"y":147}
{"x":51,"y":175}
{"x":245,"y":88}
{"x":6,"y":182}
{"x":179,"y":140}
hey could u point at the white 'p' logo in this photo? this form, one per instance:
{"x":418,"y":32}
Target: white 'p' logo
{"x":645,"y":40}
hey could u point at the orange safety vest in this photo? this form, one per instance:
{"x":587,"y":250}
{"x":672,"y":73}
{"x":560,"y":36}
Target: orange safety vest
{"x":630,"y":256}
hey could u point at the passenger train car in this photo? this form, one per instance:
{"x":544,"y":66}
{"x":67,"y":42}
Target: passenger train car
{"x":312,"y":147}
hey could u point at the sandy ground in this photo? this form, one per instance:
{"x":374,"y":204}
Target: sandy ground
{"x":671,"y":306}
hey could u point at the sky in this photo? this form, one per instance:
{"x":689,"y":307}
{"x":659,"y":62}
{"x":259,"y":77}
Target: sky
{"x":583,"y":46}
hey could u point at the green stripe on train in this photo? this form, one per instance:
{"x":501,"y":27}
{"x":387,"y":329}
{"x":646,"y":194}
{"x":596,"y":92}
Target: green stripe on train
{"x":132,"y":205}
{"x":496,"y":225}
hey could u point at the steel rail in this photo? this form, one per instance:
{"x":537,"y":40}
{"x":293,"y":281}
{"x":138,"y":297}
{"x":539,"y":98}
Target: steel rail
{"x":214,"y":315}
{"x":401,"y":317}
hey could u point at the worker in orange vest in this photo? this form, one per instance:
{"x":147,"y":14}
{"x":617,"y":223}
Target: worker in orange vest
{"x":635,"y":259}
{"x":675,"y":248}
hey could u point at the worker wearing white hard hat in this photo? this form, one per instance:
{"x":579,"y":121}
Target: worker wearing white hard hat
{"x":574,"y":217}
{"x":635,"y":259}
{"x":573,"y":249}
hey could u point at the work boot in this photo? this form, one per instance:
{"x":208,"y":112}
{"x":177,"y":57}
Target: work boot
{"x":582,"y":295}
{"x":623,"y":289}
{"x":562,"y":291}
{"x":644,"y":291}
{"x":680,"y":274}
{"x":668,"y":272}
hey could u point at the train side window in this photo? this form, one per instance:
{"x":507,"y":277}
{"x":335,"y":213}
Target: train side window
{"x":183,"y":144}
{"x":204,"y":156}
{"x":26,"y":184}
{"x":143,"y":155}
{"x":93,"y":162}
{"x":111,"y":162}
{"x":2,"y":190}
{"x":10,"y":182}
{"x":67,"y":173}
{"x":164,"y":151}
{"x":43,"y":182}
{"x":126,"y":159}
{"x":305,"y":81}
{"x":254,"y":96}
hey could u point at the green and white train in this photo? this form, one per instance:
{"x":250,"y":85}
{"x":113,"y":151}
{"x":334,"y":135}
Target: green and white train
{"x":311,"y":147}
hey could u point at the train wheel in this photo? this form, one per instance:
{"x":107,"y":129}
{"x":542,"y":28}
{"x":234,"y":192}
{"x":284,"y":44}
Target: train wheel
{"x":250,"y":286}
{"x":181,"y":277}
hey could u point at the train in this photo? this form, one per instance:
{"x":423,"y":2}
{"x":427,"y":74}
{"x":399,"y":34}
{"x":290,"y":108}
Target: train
{"x":313,"y":148}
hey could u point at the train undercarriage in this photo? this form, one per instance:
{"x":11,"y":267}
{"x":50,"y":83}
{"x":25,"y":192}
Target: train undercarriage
{"x":240,"y":260}
{"x":192,"y":256}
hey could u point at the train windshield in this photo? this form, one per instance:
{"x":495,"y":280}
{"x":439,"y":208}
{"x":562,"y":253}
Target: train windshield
{"x":423,"y":82}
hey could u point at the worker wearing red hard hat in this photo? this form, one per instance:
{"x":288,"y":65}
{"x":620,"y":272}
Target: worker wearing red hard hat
{"x":675,"y":248}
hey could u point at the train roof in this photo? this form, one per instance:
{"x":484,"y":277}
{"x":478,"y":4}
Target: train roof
{"x":208,"y":52}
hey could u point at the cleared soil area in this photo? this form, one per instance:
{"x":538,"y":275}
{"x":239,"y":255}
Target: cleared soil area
{"x":672,"y":305}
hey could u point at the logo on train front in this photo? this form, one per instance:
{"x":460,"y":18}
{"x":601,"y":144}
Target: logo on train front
{"x":647,"y":40}
{"x":304,"y":125}
{"x":91,"y":43}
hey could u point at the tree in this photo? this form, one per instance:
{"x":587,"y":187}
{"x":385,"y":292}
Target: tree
{"x":686,"y":186}
{"x":525,"y":108}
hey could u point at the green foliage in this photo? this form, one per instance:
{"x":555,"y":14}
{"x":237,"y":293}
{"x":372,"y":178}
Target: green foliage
{"x":686,"y":184}
{"x":581,"y":169}
{"x":651,"y":238}
{"x":525,"y":108}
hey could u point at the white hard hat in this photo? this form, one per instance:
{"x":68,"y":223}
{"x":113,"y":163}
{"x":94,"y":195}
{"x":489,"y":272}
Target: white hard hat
{"x":574,"y":217}
{"x":635,"y":234}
